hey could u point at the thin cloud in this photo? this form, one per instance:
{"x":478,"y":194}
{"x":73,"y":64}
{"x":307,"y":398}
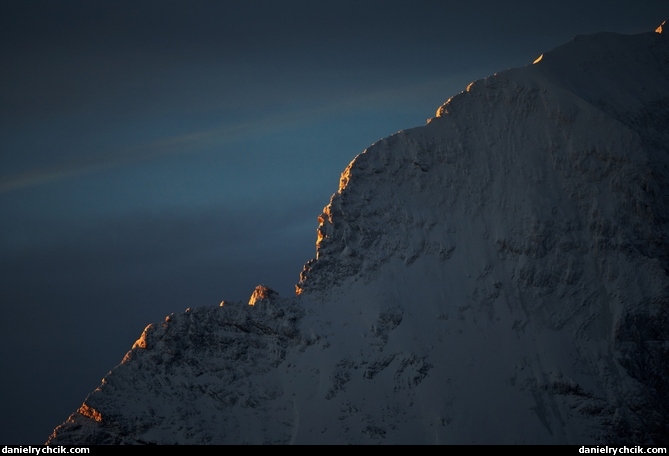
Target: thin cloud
{"x":192,"y":142}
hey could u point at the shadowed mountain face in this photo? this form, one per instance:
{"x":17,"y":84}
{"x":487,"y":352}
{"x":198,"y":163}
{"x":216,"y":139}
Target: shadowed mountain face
{"x":499,"y":275}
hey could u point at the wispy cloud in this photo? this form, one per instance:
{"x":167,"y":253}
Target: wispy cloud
{"x":126,"y":156}
{"x":194,"y":141}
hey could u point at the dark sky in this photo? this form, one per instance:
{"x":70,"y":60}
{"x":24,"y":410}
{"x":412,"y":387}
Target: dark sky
{"x":159,"y":155}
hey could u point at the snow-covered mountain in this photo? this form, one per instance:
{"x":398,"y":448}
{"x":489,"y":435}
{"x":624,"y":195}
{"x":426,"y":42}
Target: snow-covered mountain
{"x":499,"y":275}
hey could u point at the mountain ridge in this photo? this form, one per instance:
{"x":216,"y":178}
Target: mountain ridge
{"x":499,"y":275}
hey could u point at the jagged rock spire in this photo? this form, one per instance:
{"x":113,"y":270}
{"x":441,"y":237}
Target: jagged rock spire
{"x":262,"y":293}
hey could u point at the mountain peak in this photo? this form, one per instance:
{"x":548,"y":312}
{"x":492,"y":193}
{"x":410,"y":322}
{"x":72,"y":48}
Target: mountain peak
{"x":262,"y":293}
{"x":499,"y":275}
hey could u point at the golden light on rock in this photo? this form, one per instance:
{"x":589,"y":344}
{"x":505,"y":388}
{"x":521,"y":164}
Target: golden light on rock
{"x":262,"y":293}
{"x":141,"y":342}
{"x":90,"y":412}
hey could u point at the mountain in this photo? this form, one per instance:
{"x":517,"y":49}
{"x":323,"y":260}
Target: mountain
{"x":498,"y":275}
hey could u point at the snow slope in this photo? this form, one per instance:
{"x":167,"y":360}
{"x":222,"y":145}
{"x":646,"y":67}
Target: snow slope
{"x":499,"y":275}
